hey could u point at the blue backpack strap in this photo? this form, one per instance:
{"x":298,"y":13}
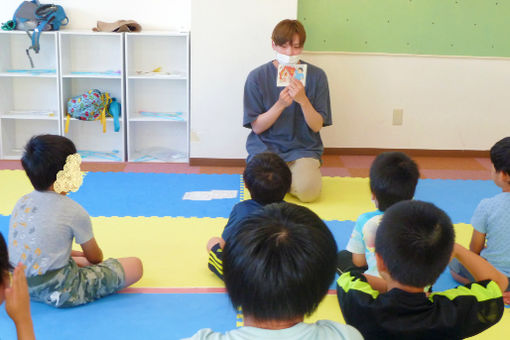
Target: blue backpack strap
{"x":31,"y":47}
{"x":115,"y":112}
{"x":35,"y":41}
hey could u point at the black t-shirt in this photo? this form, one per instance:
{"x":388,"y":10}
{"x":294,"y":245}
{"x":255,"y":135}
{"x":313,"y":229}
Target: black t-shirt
{"x":453,"y":314}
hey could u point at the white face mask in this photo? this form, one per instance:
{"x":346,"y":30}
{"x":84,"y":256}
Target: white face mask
{"x":287,"y":59}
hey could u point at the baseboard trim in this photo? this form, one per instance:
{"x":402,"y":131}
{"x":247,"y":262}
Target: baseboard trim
{"x":410,"y":152}
{"x":350,"y":151}
{"x":217,"y":162}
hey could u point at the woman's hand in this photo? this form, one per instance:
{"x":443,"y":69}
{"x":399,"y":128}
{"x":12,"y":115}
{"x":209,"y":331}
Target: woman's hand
{"x":297,"y":91}
{"x":285,"y":98}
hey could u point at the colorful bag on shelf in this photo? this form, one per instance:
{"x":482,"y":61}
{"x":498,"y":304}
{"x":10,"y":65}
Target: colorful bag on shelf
{"x":93,"y":105}
{"x":37,"y":17}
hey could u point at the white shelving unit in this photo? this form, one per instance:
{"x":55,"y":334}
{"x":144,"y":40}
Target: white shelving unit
{"x":157,"y":92}
{"x":153,"y":66}
{"x":93,"y":60}
{"x":29,"y":101}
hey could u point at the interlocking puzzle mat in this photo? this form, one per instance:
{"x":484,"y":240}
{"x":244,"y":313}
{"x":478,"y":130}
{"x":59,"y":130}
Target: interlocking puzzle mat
{"x":174,"y":298}
{"x":345,"y":198}
{"x":151,"y":194}
{"x":173,"y":249}
{"x":137,"y":194}
{"x":129,"y":317}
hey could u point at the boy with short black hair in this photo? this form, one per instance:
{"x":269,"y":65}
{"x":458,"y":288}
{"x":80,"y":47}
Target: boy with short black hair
{"x":491,"y":233}
{"x":393,"y":178}
{"x":278,"y":267}
{"x":44,"y":224}
{"x":268,"y":178}
{"x":15,"y":295}
{"x":414,"y":243}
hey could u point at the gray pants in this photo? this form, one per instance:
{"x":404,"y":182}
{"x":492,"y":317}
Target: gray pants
{"x":459,"y":269}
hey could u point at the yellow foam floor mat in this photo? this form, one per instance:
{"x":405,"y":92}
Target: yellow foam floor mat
{"x":463,"y":234}
{"x":342,"y":198}
{"x":13,"y":185}
{"x":173,"y":250}
{"x":328,"y":310}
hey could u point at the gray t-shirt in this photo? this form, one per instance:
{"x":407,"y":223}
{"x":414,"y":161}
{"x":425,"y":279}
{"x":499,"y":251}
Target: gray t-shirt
{"x":41,"y":231}
{"x":492,"y":217}
{"x":289,"y":137}
{"x":321,"y":330}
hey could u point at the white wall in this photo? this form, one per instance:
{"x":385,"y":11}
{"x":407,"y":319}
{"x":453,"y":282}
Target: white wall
{"x":229,"y":39}
{"x":449,"y":103}
{"x":151,"y":14}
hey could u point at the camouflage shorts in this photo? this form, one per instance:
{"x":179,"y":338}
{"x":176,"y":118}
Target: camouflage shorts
{"x":72,"y":285}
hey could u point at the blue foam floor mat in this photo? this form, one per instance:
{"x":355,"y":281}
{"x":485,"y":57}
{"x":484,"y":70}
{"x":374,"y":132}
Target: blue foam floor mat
{"x":154,"y":194}
{"x":458,"y":198}
{"x":129,"y":316}
{"x":341,"y":231}
{"x":4,"y":227}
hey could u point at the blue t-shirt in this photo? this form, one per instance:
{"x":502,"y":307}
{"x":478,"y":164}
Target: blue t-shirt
{"x":240,"y":211}
{"x":362,"y":239}
{"x":289,"y":136}
{"x":492,"y":218}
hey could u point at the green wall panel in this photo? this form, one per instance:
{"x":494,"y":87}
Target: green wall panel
{"x":436,"y":27}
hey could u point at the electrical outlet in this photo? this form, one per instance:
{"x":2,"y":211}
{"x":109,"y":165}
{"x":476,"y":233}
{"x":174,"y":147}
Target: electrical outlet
{"x":398,"y":116}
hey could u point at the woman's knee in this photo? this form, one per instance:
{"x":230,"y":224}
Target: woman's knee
{"x":306,"y":179}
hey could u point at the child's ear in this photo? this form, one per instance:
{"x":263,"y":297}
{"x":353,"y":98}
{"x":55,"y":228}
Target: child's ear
{"x":381,"y":266}
{"x":375,"y":201}
{"x":6,"y":280}
{"x":505,"y":177}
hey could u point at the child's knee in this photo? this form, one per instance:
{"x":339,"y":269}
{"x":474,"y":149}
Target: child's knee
{"x":133,"y":269}
{"x":137,"y":266}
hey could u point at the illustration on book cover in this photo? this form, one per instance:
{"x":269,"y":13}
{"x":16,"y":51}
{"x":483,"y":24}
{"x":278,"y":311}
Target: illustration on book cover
{"x":289,"y":71}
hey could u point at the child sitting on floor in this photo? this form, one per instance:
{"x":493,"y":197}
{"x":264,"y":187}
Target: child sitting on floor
{"x":44,"y":223}
{"x":15,"y":295}
{"x":267,"y":177}
{"x":393,"y":178}
{"x":413,"y":245}
{"x":278,"y":267}
{"x":491,"y":221}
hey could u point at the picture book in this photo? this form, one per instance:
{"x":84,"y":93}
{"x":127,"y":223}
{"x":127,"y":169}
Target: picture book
{"x":286,"y":72}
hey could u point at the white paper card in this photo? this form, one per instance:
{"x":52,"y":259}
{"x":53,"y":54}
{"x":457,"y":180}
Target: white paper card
{"x":289,"y":71}
{"x":209,"y":195}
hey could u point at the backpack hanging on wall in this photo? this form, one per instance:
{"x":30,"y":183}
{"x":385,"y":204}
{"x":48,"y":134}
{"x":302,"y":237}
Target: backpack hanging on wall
{"x":93,"y":105}
{"x":37,"y":17}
